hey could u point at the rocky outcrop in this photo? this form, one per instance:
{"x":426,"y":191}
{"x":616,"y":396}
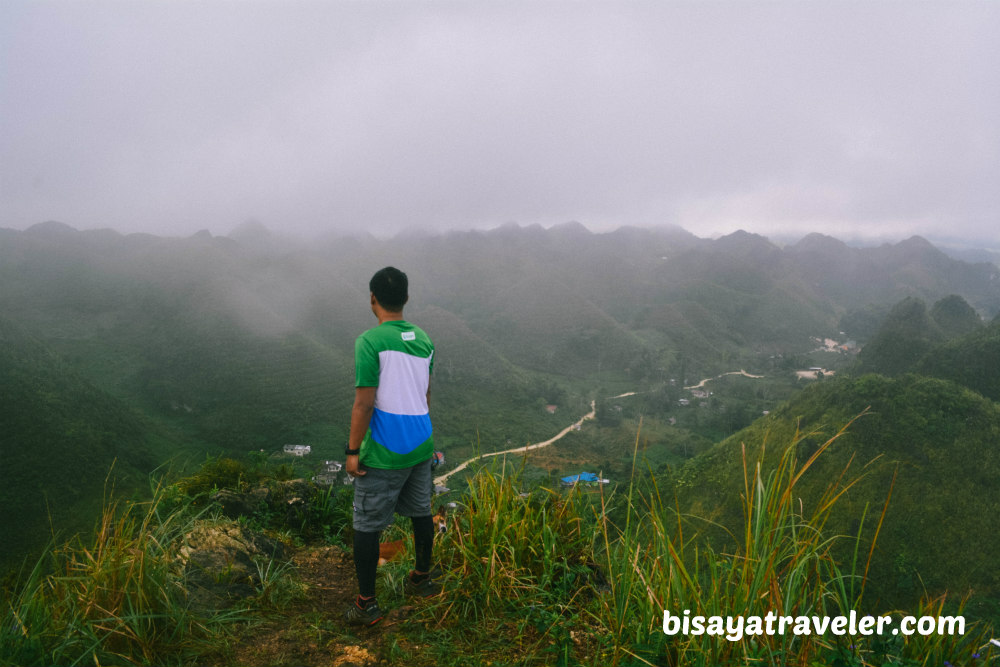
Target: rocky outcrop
{"x":290,"y":497}
{"x":222,"y":563}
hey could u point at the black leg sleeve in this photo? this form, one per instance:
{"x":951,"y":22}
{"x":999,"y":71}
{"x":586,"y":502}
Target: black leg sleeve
{"x":366,"y":561}
{"x":423,"y":541}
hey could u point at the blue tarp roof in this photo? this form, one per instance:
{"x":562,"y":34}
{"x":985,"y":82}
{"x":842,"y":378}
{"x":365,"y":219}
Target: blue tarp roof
{"x":582,"y":477}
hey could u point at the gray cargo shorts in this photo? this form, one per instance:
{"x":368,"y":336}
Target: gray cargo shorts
{"x":381,"y":493}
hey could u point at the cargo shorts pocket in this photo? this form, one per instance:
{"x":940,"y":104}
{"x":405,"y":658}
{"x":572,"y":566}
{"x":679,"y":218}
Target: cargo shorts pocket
{"x":374,"y":502}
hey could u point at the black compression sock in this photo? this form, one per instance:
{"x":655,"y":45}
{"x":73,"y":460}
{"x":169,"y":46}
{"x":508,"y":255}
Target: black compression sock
{"x":423,"y":541}
{"x":366,"y":561}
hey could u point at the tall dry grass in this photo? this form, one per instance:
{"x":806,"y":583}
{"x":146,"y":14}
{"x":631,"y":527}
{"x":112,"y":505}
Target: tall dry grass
{"x":118,"y":597}
{"x":560,"y":556}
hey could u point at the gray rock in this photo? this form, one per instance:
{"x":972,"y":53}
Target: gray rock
{"x":220,"y":563}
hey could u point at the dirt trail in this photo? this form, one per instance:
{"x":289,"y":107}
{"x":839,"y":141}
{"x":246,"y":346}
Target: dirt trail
{"x":518,"y":450}
{"x":311,"y":632}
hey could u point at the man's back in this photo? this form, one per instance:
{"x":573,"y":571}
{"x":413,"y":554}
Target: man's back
{"x":396,"y":358}
{"x":391,"y":462}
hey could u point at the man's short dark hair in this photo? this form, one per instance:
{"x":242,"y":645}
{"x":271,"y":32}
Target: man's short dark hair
{"x":390,"y":287}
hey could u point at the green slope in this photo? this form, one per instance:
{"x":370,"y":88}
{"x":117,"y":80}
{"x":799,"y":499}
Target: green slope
{"x":65,"y":443}
{"x":907,"y":334}
{"x":246,"y":343}
{"x":972,"y":360}
{"x":939,"y":439}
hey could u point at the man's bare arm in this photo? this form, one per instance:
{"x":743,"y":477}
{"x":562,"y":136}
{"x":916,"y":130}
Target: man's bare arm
{"x":361,"y":417}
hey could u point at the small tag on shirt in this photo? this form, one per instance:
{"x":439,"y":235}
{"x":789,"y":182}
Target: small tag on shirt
{"x":408,"y":335}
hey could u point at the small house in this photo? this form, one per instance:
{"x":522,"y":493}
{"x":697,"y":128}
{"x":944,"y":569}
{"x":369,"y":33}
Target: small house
{"x":297,"y":450}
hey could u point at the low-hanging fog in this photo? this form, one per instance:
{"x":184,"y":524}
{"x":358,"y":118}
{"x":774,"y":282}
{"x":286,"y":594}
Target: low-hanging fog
{"x":854,"y":119}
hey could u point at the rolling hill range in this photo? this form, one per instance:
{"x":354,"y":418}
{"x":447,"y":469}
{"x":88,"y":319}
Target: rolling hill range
{"x":164,"y":348}
{"x":948,"y":342}
{"x":927,"y":443}
{"x":61,"y":435}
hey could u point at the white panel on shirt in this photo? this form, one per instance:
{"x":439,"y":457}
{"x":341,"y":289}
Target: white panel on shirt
{"x":402,"y":383}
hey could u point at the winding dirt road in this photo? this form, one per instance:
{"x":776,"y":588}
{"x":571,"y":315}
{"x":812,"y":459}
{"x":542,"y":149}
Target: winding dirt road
{"x":517,"y":450}
{"x":739,"y":372}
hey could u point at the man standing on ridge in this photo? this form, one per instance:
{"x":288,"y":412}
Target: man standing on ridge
{"x":391,"y":446}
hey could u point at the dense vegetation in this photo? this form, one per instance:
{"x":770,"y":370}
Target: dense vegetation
{"x":928,"y":443}
{"x":66,"y":444}
{"x":125,"y":354}
{"x":541,"y":578}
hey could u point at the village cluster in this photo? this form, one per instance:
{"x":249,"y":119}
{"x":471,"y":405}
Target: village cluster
{"x":331,"y":471}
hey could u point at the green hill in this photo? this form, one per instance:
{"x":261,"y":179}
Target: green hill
{"x":213,"y":344}
{"x":955,"y":317}
{"x":937,"y":438}
{"x":65,"y":444}
{"x":972,"y":360}
{"x":147,"y":349}
{"x":906,"y":335}
{"x":950,"y":342}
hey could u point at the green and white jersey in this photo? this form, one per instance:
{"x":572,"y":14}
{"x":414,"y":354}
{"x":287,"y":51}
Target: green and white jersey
{"x":397,"y":359}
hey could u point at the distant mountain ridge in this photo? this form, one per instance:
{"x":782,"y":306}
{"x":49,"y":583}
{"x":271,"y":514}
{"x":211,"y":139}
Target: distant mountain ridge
{"x":928,"y":383}
{"x":231,"y":344}
{"x":561,"y":300}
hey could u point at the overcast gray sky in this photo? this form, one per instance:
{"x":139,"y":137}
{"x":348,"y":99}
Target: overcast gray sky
{"x":170,"y":117}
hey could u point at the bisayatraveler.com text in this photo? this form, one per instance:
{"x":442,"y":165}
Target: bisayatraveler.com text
{"x":735,"y":628}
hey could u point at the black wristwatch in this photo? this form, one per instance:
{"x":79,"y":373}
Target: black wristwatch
{"x":351,"y":452}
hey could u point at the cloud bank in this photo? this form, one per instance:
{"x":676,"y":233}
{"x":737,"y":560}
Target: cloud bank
{"x":848,"y":118}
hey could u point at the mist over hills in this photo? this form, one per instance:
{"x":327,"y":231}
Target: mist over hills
{"x":158,"y":348}
{"x":925,"y":449}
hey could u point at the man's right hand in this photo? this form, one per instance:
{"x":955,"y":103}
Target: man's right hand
{"x":361,"y":417}
{"x":353,"y":466}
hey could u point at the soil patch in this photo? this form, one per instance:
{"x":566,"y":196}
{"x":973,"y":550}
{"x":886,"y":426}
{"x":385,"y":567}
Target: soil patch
{"x":311,"y":632}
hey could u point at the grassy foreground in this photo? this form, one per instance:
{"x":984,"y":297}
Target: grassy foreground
{"x":117,"y":599}
{"x":539,"y":578}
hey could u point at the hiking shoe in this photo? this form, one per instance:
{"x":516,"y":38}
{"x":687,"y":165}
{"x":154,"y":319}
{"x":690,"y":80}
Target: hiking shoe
{"x":424,"y":588}
{"x":367,"y":617}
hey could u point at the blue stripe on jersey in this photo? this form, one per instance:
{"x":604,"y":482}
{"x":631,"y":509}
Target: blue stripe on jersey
{"x":400,"y":434}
